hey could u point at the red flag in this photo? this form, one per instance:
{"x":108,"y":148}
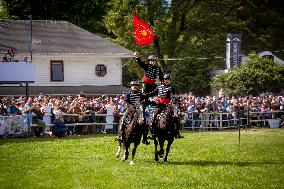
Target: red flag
{"x":142,"y":32}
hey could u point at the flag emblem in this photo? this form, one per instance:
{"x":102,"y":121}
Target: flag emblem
{"x":143,"y":34}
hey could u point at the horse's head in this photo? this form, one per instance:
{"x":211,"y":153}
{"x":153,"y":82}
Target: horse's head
{"x":162,"y":121}
{"x":136,"y":117}
{"x":140,"y":111}
{"x":164,"y":118}
{"x":176,"y":110}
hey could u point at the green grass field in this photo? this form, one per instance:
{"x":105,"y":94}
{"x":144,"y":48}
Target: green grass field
{"x":200,"y":160}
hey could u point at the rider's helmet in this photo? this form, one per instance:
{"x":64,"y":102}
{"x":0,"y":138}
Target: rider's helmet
{"x":167,"y":76}
{"x":152,"y":57}
{"x":134,"y":82}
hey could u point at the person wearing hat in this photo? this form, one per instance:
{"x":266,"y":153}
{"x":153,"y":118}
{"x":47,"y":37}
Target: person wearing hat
{"x":133,"y":98}
{"x":152,"y":71}
{"x":59,"y":129}
{"x":164,"y":93}
{"x":177,"y":119}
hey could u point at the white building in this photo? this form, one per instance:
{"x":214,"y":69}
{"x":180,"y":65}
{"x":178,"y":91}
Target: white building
{"x":264,"y":54}
{"x":66,"y":58}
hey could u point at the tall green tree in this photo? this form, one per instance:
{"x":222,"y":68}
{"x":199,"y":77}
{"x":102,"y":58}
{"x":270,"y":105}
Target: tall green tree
{"x":256,"y":76}
{"x":85,"y":13}
{"x":119,"y":22}
{"x":263,"y":23}
{"x":3,"y":10}
{"x":191,"y":28}
{"x":192,"y":75}
{"x":183,"y":29}
{"x":170,"y":24}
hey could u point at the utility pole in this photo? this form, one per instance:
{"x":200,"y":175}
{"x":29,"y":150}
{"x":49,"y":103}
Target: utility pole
{"x":31,"y":37}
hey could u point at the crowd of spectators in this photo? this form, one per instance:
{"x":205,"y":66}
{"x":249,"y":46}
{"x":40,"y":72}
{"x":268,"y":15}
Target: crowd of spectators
{"x":10,"y":56}
{"x":46,"y":108}
{"x":73,"y":109}
{"x":260,"y":107}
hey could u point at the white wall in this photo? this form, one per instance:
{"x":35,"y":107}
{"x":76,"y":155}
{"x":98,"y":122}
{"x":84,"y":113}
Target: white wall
{"x":17,"y":71}
{"x":78,"y":70}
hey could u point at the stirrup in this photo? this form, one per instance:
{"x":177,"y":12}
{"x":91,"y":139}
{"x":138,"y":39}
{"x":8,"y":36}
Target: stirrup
{"x":179,"y":136}
{"x":118,"y":138}
{"x":146,"y":142}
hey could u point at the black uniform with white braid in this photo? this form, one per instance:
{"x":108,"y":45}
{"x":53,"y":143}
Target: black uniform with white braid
{"x":165,"y":94}
{"x":165,"y":91}
{"x":133,"y":97}
{"x":151,"y":71}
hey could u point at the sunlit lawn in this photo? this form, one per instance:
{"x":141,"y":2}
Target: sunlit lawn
{"x":200,"y":160}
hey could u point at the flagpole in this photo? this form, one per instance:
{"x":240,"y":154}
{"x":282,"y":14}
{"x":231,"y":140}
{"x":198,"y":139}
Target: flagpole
{"x":239,"y":131}
{"x":239,"y":125}
{"x":126,"y":62}
{"x":31,"y":37}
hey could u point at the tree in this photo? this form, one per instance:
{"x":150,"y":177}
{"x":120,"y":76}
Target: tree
{"x":177,"y":28}
{"x":85,"y":13}
{"x":256,"y":76}
{"x":192,"y":75}
{"x":263,"y":23}
{"x":3,"y":10}
{"x":183,"y":29}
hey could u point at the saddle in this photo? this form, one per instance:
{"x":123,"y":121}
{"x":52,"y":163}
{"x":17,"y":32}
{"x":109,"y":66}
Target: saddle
{"x":133,"y":110}
{"x":163,"y":118}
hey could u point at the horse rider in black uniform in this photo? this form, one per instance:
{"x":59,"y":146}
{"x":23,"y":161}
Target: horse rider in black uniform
{"x":152,"y":71}
{"x":133,"y":98}
{"x":164,"y":92}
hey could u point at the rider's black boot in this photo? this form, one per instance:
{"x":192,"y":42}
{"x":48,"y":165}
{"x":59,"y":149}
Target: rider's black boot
{"x":145,"y":141}
{"x":179,"y":136}
{"x":118,"y":138}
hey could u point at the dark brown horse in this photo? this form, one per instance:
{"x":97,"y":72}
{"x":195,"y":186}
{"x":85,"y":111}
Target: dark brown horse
{"x":165,"y":131}
{"x":135,"y":125}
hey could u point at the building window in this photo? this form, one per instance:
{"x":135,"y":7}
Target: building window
{"x":101,"y":70}
{"x":56,"y":71}
{"x":270,"y":57}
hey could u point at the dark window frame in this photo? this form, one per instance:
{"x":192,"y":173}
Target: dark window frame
{"x":101,"y":72}
{"x":51,"y":70}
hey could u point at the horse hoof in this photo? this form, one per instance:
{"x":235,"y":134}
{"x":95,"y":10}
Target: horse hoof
{"x":161,"y":154}
{"x":123,"y":158}
{"x":156,"y":159}
{"x":165,"y":163}
{"x":117,"y":155}
{"x":131,"y":162}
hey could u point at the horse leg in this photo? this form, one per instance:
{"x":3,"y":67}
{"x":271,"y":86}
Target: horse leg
{"x":118,"y":150}
{"x":156,"y":151}
{"x":126,"y":153}
{"x":161,"y":152}
{"x":133,"y":153}
{"x":168,"y":149}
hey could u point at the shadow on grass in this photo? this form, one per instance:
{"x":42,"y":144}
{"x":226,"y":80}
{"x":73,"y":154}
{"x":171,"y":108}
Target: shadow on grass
{"x":4,"y":141}
{"x":220,"y":163}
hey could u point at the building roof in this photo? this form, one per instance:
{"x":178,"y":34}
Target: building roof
{"x":61,"y":90}
{"x":55,"y":37}
{"x":266,"y":53}
{"x":275,"y":58}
